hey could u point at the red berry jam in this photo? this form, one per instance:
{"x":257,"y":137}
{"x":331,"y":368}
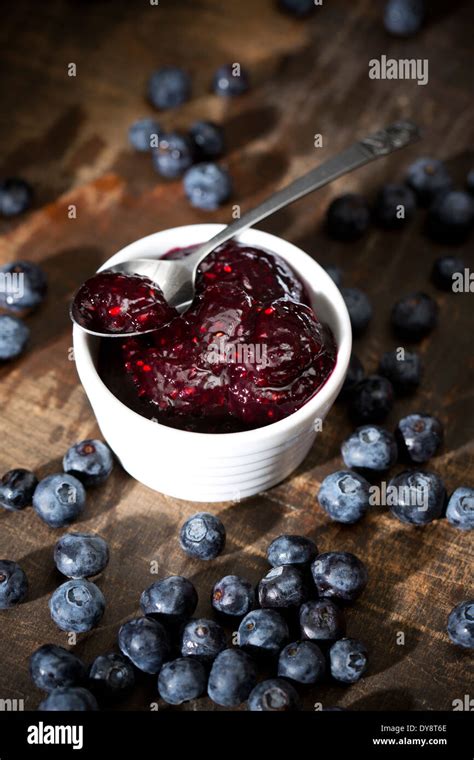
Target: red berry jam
{"x":114,"y":303}
{"x":248,"y":352}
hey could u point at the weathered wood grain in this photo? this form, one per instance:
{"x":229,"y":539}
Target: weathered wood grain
{"x":70,"y":137}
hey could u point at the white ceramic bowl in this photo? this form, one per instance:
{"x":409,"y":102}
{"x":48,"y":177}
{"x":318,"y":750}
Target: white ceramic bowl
{"x":216,"y":467}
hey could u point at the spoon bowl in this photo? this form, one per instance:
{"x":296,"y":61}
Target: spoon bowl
{"x":175,"y":279}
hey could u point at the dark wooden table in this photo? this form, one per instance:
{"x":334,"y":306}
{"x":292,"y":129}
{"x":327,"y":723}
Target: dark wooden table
{"x":68,"y":137}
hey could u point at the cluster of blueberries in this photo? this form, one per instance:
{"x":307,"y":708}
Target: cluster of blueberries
{"x":428,"y":184}
{"x":169,"y":87}
{"x":412,"y":318}
{"x":207,"y":185}
{"x":59,"y":500}
{"x":192,"y":156}
{"x":292,"y":623}
{"x":416,"y":497}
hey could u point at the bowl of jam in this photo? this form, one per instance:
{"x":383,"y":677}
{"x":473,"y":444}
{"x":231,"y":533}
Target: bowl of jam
{"x":223,"y":400}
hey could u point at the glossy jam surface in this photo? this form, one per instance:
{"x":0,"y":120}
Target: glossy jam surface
{"x":114,"y":303}
{"x":248,"y":352}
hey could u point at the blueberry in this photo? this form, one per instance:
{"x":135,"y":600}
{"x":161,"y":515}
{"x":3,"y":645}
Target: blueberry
{"x":81,"y":555}
{"x":77,"y":605}
{"x":71,"y":699}
{"x":461,"y":624}
{"x":273,"y":695}
{"x":450,"y":217}
{"x":23,"y":286}
{"x":233,"y":676}
{"x":17,"y":488}
{"x":419,"y":436}
{"x":370,"y":448}
{"x":460,"y":509}
{"x":417,"y":498}
{"x":371,"y":400}
{"x":14,"y":335}
{"x":291,"y":550}
{"x":298,"y":8}
{"x":403,"y":370}
{"x":302,"y":661}
{"x":414,"y":316}
{"x":348,"y":660}
{"x":111,"y":676}
{"x":59,"y":499}
{"x":335,"y":274}
{"x":282,"y":587}
{"x":344,"y":496}
{"x":322,"y":620}
{"x":143,"y":135}
{"x":182,"y":680}
{"x":233,"y":596}
{"x":202,"y":536}
{"x":145,"y":643}
{"x":263,"y":632}
{"x":13,"y":584}
{"x":359,"y":308}
{"x":173,"y":156}
{"x":203,"y":639}
{"x":444,"y":269}
{"x":16,"y":196}
{"x":394,"y":205}
{"x":169,"y":87}
{"x":427,"y":177}
{"x":170,"y":600}
{"x":207,"y":139}
{"x":339,"y":575}
{"x":207,"y":186}
{"x":355,"y":373}
{"x":404,"y":18}
{"x":90,"y":461}
{"x":230,"y":80}
{"x":53,"y":667}
{"x":348,"y":217}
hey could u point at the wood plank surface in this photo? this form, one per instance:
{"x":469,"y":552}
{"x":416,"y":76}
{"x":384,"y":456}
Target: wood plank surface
{"x":68,"y":137}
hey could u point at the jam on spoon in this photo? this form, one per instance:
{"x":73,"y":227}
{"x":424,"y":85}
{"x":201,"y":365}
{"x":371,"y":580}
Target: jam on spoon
{"x":115,"y":303}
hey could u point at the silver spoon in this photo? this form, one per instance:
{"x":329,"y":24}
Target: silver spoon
{"x":176,"y":278}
